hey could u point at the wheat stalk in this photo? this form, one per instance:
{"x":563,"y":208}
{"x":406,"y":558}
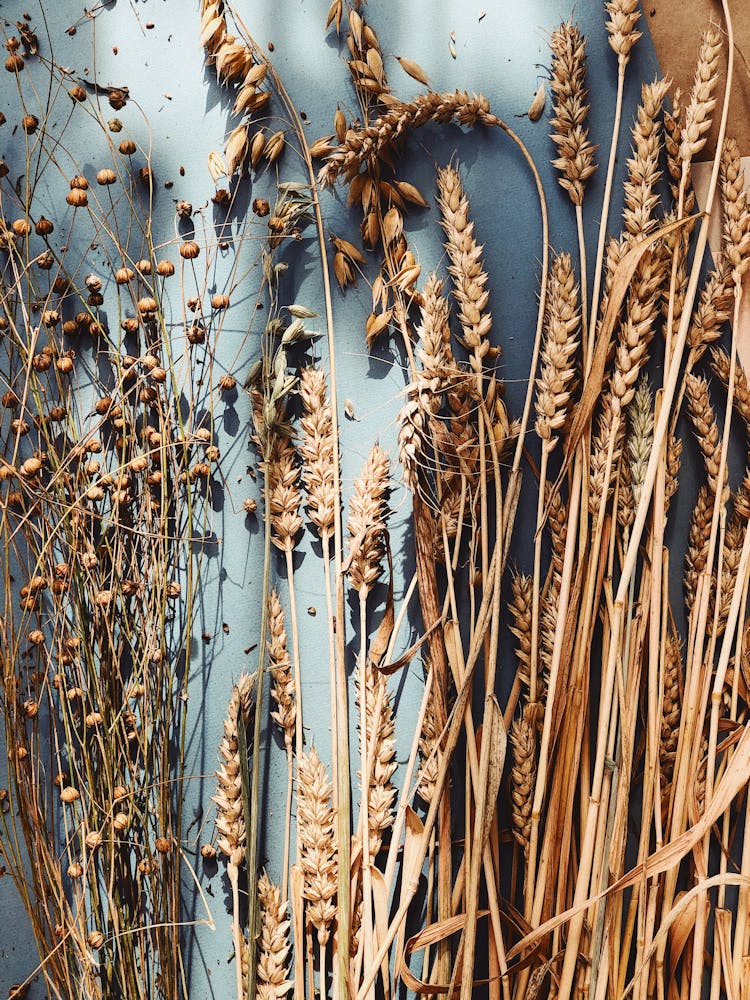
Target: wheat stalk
{"x":575,"y":159}
{"x":273,"y":943}
{"x":317,"y":847}
{"x":230,"y":803}
{"x":465,"y":255}
{"x":284,"y":693}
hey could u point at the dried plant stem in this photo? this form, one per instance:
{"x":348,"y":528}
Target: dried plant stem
{"x":631,"y":555}
{"x":726,"y":649}
{"x":606,"y":199}
{"x":367,"y":926}
{"x":584,"y":282}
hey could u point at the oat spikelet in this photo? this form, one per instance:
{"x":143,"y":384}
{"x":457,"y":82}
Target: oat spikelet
{"x":280,"y":665}
{"x":522,"y":780}
{"x":706,"y":429}
{"x":623,"y":17}
{"x":702,"y":101}
{"x":317,"y":847}
{"x":465,"y":255}
{"x":230,"y":819}
{"x":736,"y":213}
{"x":368,"y":511}
{"x":641,"y":196}
{"x":555,"y":382}
{"x":316,"y":450}
{"x":273,"y":943}
{"x":570,"y":135}
{"x":720,"y":364}
{"x":362,"y":147}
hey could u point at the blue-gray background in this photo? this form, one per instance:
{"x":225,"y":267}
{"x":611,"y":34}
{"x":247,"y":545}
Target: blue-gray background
{"x":503,"y":55}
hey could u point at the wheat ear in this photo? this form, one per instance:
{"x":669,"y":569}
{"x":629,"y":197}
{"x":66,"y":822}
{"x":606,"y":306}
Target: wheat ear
{"x":283,"y":692}
{"x":230,"y":804}
{"x":317,"y":848}
{"x":273,"y":944}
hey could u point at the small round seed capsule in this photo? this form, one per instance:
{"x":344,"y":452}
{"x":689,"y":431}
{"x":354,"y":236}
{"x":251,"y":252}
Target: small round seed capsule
{"x":77,"y":198}
{"x":184,"y":209}
{"x":106,"y":176}
{"x":94,"y":839}
{"x":123,"y":275}
{"x":165,"y":268}
{"x":120,"y":822}
{"x":219,"y":301}
{"x":143,"y":266}
{"x":95,"y":939}
{"x":43,"y":227}
{"x":127,"y":147}
{"x":29,"y":123}
{"x":21,"y":227}
{"x":14,"y":63}
{"x":189,"y":250}
{"x":77,"y":93}
{"x":75,"y":870}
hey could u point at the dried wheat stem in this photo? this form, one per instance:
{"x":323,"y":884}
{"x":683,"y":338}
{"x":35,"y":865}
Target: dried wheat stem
{"x":660,"y":435}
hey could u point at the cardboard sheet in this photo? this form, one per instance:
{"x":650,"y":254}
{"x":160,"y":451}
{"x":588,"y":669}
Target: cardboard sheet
{"x":676,"y":27}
